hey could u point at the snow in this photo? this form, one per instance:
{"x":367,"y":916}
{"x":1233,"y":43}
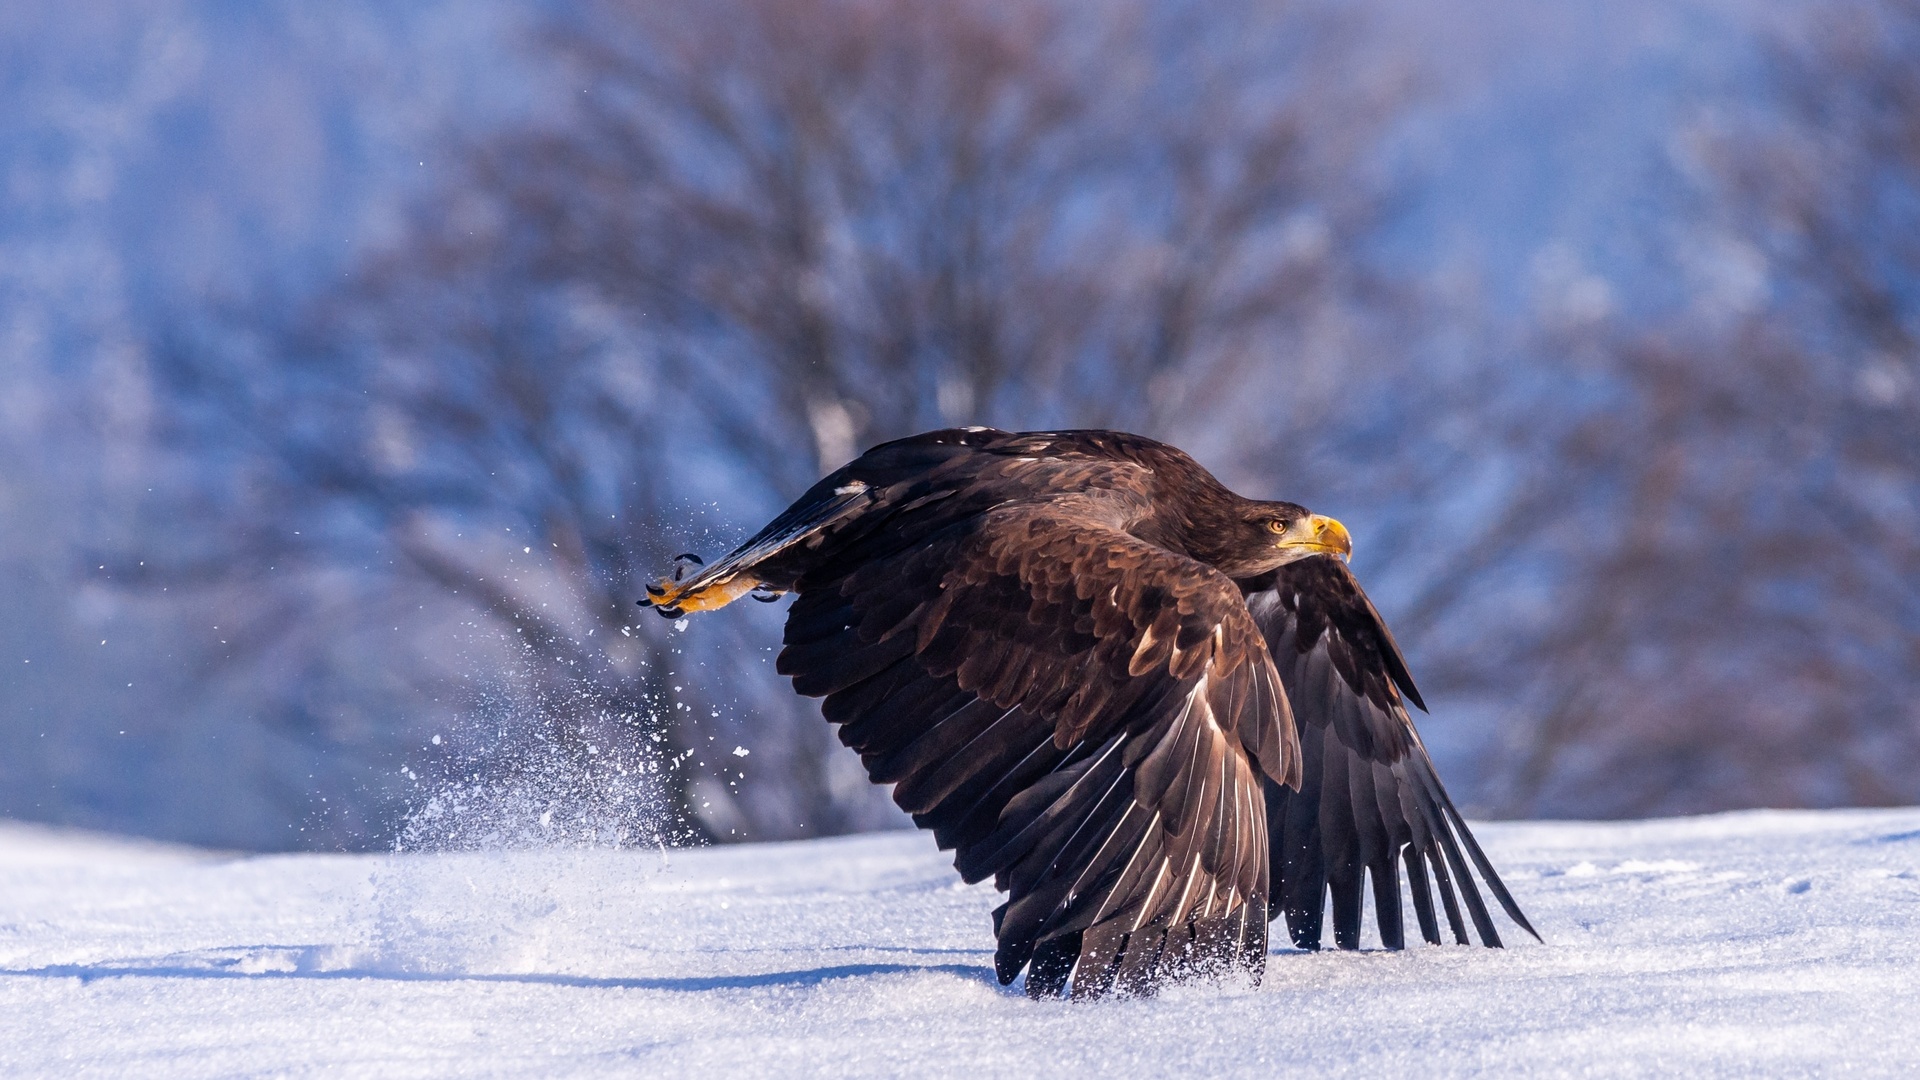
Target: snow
{"x":1777,"y":942}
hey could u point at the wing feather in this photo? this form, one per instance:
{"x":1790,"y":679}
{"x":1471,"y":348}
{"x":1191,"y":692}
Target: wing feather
{"x":1369,"y":802}
{"x":1085,"y":717}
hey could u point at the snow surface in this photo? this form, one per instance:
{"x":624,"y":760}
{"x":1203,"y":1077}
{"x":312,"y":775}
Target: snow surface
{"x":1778,"y":942}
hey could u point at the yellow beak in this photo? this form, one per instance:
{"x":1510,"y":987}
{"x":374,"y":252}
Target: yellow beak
{"x":1320,"y":536}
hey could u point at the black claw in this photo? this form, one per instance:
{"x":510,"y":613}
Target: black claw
{"x":657,"y":590}
{"x":690,"y":557}
{"x":669,"y":612}
{"x":765,"y":598}
{"x":645,"y":603}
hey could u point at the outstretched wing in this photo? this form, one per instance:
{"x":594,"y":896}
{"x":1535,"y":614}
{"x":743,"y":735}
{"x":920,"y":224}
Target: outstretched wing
{"x":1086,"y":717}
{"x":1369,"y":801}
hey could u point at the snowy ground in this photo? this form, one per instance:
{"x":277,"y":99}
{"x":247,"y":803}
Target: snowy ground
{"x":1784,"y":943}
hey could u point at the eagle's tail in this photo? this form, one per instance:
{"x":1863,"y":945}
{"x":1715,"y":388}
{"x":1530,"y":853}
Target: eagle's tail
{"x":697,"y":587}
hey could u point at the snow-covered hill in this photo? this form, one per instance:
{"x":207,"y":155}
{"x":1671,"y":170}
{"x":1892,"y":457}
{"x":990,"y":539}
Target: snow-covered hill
{"x":1785,"y":943}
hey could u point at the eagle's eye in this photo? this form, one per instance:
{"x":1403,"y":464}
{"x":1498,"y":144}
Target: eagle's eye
{"x":1275,"y":525}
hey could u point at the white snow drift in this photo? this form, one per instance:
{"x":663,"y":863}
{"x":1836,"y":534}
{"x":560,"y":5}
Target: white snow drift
{"x":1780,"y":942}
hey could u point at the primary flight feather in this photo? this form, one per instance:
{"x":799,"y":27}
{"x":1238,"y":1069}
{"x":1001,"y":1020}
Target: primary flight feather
{"x":1157,"y":714}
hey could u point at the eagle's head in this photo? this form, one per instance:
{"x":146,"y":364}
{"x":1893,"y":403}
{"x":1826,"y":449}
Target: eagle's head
{"x":1265,"y":536}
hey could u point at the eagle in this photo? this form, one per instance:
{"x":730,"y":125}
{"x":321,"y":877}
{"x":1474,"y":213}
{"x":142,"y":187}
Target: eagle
{"x":1157,"y":714}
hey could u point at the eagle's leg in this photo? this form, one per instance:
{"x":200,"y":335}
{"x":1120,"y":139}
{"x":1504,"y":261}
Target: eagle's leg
{"x":763,"y":566}
{"x":673,"y":601}
{"x":681,"y":593}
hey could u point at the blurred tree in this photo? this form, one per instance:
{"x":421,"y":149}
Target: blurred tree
{"x":762,"y":235}
{"x":1663,"y":524}
{"x":155,"y":155}
{"x":899,"y":215}
{"x":1729,"y":508}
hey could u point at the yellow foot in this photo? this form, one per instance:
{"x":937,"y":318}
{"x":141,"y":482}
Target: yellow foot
{"x":673,"y":599}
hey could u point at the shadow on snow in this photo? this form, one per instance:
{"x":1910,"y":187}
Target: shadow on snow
{"x":691,"y":983}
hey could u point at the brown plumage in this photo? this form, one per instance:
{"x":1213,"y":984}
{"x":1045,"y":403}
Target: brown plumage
{"x":1140,"y":703}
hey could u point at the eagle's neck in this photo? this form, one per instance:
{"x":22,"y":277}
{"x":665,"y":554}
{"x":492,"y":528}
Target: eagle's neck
{"x":1197,"y":516}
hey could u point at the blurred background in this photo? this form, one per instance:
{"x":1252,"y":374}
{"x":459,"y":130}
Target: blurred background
{"x":358,"y":362}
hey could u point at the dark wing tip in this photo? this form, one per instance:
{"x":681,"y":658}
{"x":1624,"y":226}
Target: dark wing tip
{"x":1412,"y":692}
{"x":1457,"y":824}
{"x":1330,"y":836}
{"x":1391,"y":657}
{"x":1513,"y":912}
